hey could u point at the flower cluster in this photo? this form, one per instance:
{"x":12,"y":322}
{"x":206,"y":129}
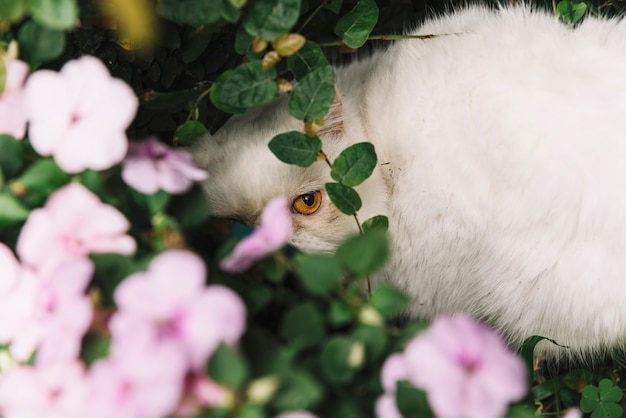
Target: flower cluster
{"x":465,"y":368}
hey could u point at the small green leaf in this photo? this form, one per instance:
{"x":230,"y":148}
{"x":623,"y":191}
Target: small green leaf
{"x":94,"y":347}
{"x":313,"y":95}
{"x":296,"y":148}
{"x":388,"y":300}
{"x":227,"y":367}
{"x":355,"y":164}
{"x":271,"y":18}
{"x":571,"y":12}
{"x":54,"y":14}
{"x":375,"y":340}
{"x":345,"y":198}
{"x":303,"y":325}
{"x":300,"y":391}
{"x":190,"y":12}
{"x":356,"y":25}
{"x":376,"y":223}
{"x":340,"y":313}
{"x":364,"y":254}
{"x":39,"y":44}
{"x":319,"y":273}
{"x":309,"y":58}
{"x":11,"y":210}
{"x":44,"y":175}
{"x":609,"y":392}
{"x":189,"y":132}
{"x":190,"y":209}
{"x":520,"y":411}
{"x":12,"y":10}
{"x":11,"y":157}
{"x":412,"y":402}
{"x":247,"y":86}
{"x":334,"y":359}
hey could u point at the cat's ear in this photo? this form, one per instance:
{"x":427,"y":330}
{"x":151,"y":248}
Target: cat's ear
{"x":333,"y":121}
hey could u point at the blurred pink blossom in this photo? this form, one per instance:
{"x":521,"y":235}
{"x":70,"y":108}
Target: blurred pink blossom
{"x":170,"y":303}
{"x":49,"y":313}
{"x":72,"y":223}
{"x":51,"y":391}
{"x":151,"y":166}
{"x":296,"y":414}
{"x":465,"y":368}
{"x":10,"y":268}
{"x":271,"y":235}
{"x":140,"y":382}
{"x":79,"y":115}
{"x":386,"y":406}
{"x":12,"y":116}
{"x":201,"y":392}
{"x":573,"y":413}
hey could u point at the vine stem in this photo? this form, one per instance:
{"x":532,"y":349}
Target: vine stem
{"x":390,"y":38}
{"x":312,"y":15}
{"x":201,"y":97}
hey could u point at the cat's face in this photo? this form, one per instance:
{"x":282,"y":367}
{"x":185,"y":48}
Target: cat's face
{"x":244,"y":175}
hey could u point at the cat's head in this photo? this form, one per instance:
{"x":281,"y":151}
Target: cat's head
{"x":244,"y":175}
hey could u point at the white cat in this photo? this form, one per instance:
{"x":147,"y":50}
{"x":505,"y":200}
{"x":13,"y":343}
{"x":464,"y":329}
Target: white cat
{"x":502,"y":169}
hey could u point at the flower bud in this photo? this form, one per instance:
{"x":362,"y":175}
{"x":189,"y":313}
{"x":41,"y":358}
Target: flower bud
{"x":258,"y":44}
{"x":261,"y":390}
{"x":288,"y":44}
{"x":270,"y":59}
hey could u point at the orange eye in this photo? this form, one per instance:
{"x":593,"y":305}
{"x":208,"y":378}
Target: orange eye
{"x":308,"y":203}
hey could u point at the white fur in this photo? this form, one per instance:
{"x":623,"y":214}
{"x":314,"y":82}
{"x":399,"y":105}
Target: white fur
{"x":502,"y":151}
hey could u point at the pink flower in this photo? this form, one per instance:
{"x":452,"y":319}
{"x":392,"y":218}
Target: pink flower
{"x":171,"y":303}
{"x":10,"y":269}
{"x":141,"y":382}
{"x":52,"y":391}
{"x":386,"y":406}
{"x":296,"y":414}
{"x":72,"y":223}
{"x":151,"y":166}
{"x":465,"y":368}
{"x":12,"y":117}
{"x":79,"y":115}
{"x":51,"y":313}
{"x":201,"y":393}
{"x":271,"y":235}
{"x":573,"y":413}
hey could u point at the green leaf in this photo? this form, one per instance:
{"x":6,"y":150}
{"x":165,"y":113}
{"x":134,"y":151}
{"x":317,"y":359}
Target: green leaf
{"x":340,"y":313}
{"x":190,"y":12}
{"x":334,"y":359}
{"x":520,"y":411}
{"x":247,"y":86}
{"x":296,"y":148}
{"x":388,"y":300}
{"x":190,"y":209}
{"x":308,"y":58}
{"x":412,"y":402}
{"x":12,"y":10}
{"x":11,"y":157}
{"x":299,"y":391}
{"x":152,"y":203}
{"x":54,"y":14}
{"x":376,"y":223}
{"x":375,"y":340}
{"x":364,"y":254}
{"x":601,"y":400}
{"x":313,"y":95}
{"x":303,"y":325}
{"x":189,"y":132}
{"x":271,"y":18}
{"x":250,"y":411}
{"x":355,"y":164}
{"x":194,"y":44}
{"x":345,"y":198}
{"x":227,"y":367}
{"x":319,"y":273}
{"x":12,"y":211}
{"x":609,"y":392}
{"x":571,"y":12}
{"x":355,"y":26}
{"x":44,"y":175}
{"x":94,"y":347}
{"x":39,"y":44}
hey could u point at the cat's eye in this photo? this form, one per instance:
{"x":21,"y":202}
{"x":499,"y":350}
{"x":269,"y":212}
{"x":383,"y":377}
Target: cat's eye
{"x":308,"y":203}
